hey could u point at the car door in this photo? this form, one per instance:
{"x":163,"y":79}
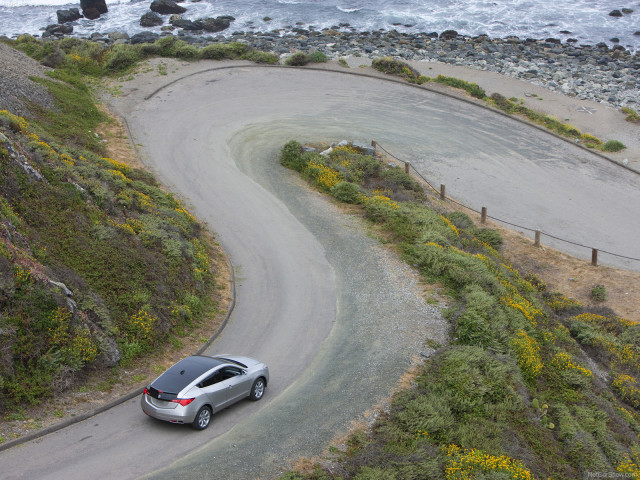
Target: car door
{"x":237,"y":383}
{"x":215,"y":389}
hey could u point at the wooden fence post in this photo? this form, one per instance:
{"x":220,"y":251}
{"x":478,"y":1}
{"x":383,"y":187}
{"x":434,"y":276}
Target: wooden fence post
{"x":373,"y":144}
{"x":442,"y":192}
{"x":406,"y":167}
{"x":537,"y":239}
{"x":594,"y":257}
{"x":483,"y":215}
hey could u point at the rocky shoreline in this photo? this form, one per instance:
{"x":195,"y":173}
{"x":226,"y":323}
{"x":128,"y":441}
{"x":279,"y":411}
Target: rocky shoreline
{"x":591,"y":72}
{"x":609,"y":75}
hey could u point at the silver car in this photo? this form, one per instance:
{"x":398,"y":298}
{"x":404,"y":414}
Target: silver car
{"x":198,"y":386}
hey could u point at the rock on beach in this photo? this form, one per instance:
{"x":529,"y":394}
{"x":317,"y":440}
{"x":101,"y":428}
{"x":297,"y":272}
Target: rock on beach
{"x":166,"y":7}
{"x":92,"y":9}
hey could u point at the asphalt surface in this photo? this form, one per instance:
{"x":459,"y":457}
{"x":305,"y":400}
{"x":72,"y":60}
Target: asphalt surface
{"x":336,"y":317}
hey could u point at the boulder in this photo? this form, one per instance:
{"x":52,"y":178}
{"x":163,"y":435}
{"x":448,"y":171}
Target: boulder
{"x":57,"y":30}
{"x":215,"y":24}
{"x":151,"y":19}
{"x":66,"y":16}
{"x":615,"y":13}
{"x":115,"y":36}
{"x":144,"y":37}
{"x":166,"y":7}
{"x":109,"y":352}
{"x":366,"y":148}
{"x":92,"y":9}
{"x":448,"y":35}
{"x":179,"y":22}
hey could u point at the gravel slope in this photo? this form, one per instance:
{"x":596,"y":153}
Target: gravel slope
{"x":16,"y":87}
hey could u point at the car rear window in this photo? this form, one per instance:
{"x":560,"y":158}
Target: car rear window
{"x":184,"y":372}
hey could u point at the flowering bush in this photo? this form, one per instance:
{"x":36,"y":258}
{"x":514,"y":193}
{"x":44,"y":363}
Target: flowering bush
{"x":560,"y":303}
{"x":75,"y":343}
{"x":470,"y":463}
{"x":627,"y":388}
{"x":323,"y":176}
{"x":573,"y":373}
{"x":528,"y":352}
{"x":139,"y":327}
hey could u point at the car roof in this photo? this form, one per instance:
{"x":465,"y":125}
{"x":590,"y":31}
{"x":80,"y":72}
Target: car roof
{"x":184,"y":372}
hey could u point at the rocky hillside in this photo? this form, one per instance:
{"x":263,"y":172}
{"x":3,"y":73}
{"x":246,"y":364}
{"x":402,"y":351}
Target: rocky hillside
{"x":17,"y":90}
{"x":97,"y":264}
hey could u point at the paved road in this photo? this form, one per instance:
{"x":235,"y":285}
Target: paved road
{"x":336,"y":317}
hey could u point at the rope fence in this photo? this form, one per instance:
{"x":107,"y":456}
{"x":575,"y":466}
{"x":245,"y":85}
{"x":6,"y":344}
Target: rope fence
{"x":441,"y":192}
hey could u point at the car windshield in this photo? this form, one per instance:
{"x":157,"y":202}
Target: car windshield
{"x":184,"y":372}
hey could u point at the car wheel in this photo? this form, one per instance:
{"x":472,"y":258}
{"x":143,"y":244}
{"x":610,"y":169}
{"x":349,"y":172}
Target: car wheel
{"x":203,"y":418}
{"x":257,"y":390}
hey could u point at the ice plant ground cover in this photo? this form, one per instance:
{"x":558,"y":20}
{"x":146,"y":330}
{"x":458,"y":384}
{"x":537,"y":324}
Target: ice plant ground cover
{"x":474,"y":409}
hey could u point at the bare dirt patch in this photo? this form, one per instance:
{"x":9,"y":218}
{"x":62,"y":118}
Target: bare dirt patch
{"x":575,"y":277}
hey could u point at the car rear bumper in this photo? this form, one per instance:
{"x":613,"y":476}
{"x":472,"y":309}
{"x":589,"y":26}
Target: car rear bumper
{"x":179,"y":414}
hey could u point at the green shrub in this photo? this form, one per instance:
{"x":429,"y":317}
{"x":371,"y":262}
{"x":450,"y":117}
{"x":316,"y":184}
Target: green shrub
{"x":613,"y":146}
{"x":472,"y":88}
{"x":454,"y":268}
{"x":261,"y":57}
{"x":489,"y":236}
{"x":168,"y":45}
{"x":30,"y":45}
{"x":298,"y":59}
{"x":318,"y":57}
{"x":462,"y":386}
{"x":482,"y":323}
{"x":536,"y":282}
{"x":391,"y":66}
{"x":561,"y":304}
{"x":395,"y":178}
{"x":631,"y":115}
{"x":366,"y":165}
{"x":220,"y":51}
{"x":186,"y":52}
{"x":432,"y":236}
{"x":291,"y":156}
{"x":119,"y":58}
{"x":461,"y":220}
{"x":599,"y":293}
{"x":346,"y":192}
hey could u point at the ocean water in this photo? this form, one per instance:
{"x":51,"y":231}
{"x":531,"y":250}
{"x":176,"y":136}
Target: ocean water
{"x":586,"y":20}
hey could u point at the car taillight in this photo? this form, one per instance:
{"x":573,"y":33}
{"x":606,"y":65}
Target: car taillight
{"x":183,"y":401}
{"x":146,"y":391}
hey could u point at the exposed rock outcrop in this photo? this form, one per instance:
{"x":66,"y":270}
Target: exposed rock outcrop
{"x":151,"y":19}
{"x":92,"y":9}
{"x":166,"y":7}
{"x":67,"y":16}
